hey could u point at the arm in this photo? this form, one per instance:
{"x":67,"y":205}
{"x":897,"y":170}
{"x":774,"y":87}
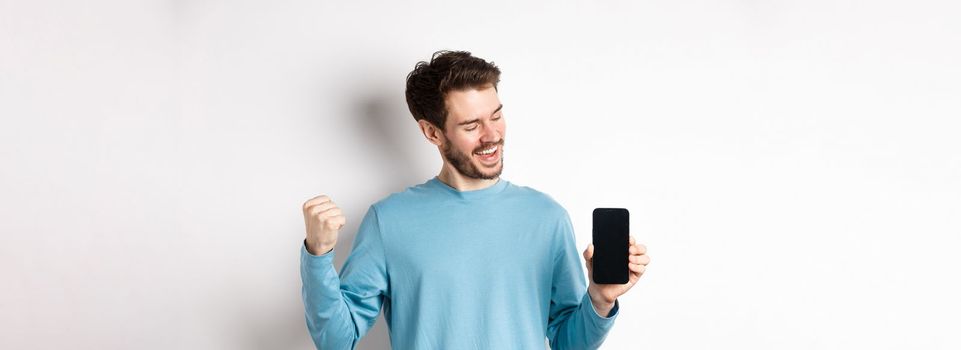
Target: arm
{"x":342,"y":309}
{"x":573,"y":322}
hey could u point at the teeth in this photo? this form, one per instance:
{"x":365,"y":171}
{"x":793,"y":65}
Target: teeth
{"x":488,"y":151}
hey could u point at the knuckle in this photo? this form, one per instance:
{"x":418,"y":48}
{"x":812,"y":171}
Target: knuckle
{"x":313,"y":200}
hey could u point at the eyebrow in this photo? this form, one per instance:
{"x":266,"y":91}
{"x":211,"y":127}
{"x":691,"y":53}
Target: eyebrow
{"x":478,"y":119}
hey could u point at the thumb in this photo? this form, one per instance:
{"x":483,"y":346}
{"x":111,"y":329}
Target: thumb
{"x":588,"y":256}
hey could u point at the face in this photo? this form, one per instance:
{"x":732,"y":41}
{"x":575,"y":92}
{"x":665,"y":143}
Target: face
{"x":474,"y":133}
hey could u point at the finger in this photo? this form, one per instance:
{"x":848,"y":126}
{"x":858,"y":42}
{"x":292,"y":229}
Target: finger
{"x":336,"y":221}
{"x":632,"y":240}
{"x":320,"y":207}
{"x":638,"y":249}
{"x":637,"y":268}
{"x":335,"y":211}
{"x":640,"y":259}
{"x":589,"y":252}
{"x":316,"y":200}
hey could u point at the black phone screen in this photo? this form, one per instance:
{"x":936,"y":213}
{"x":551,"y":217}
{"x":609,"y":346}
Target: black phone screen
{"x":611,"y":245}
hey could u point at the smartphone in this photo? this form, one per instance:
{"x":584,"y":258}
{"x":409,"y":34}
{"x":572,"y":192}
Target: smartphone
{"x":611,"y":245}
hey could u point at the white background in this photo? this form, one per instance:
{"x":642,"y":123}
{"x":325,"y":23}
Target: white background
{"x":793,"y":166}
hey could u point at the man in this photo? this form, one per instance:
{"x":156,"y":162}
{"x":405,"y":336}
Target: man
{"x":465,"y":260}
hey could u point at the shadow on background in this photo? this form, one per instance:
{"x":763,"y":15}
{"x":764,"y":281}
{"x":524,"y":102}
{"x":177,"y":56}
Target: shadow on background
{"x":383,"y":124}
{"x":378,"y":116}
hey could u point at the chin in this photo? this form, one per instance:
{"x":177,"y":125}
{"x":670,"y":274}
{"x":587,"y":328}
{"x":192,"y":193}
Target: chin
{"x":491,"y":173}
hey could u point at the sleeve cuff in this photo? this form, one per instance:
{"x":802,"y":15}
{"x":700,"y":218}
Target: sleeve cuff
{"x":304,"y":249}
{"x":598,"y":317}
{"x":311,"y":261}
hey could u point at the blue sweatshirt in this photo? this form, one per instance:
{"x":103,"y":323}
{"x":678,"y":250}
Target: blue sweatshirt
{"x":495,"y":268}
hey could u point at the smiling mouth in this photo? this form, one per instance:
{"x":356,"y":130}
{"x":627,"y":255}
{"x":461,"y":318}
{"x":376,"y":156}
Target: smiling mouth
{"x":489,"y":156}
{"x":488,"y":151}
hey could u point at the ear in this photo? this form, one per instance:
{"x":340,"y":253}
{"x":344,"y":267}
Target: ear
{"x":431,"y":132}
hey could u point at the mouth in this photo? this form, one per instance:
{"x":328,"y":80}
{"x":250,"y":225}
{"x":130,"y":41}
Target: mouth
{"x":490,"y":155}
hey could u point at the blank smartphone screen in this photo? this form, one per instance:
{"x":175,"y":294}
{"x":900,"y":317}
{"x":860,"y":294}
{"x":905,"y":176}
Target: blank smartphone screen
{"x":611,"y":245}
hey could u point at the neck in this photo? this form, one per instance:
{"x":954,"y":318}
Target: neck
{"x":455,"y":179}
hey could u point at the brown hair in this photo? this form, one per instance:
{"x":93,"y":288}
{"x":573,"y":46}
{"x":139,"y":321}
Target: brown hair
{"x":429,"y":83}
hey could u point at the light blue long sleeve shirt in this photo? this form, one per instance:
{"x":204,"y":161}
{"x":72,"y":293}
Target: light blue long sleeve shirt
{"x":495,"y":268}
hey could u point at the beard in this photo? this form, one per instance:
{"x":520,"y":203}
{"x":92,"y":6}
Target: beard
{"x":462,"y":161}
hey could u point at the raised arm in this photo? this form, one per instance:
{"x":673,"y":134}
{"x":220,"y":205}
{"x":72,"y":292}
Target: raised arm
{"x":340,"y":309}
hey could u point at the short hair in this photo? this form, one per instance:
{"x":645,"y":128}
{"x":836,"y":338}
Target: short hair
{"x":429,"y":82}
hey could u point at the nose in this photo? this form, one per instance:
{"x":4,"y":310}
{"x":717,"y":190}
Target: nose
{"x":491,"y":134}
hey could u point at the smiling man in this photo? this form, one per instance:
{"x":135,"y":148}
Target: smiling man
{"x":465,"y":260}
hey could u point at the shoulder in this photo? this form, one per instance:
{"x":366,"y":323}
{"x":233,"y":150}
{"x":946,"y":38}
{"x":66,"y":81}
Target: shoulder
{"x":550,"y":213}
{"x":537,"y":200}
{"x":402,"y":200}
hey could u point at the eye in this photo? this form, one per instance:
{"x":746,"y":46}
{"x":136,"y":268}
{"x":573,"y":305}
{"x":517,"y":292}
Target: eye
{"x":471,"y":128}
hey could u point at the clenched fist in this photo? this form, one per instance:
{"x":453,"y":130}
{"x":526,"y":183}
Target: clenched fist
{"x":323,"y":220}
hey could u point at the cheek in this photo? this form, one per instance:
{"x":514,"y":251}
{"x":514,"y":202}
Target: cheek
{"x":501,"y":127}
{"x":466,"y":144}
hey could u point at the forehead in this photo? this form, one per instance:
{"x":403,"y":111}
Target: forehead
{"x":471,"y":103}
